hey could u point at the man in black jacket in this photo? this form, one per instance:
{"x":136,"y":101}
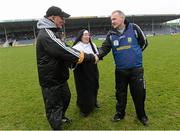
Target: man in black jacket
{"x":127,"y":42}
{"x":53,"y":59}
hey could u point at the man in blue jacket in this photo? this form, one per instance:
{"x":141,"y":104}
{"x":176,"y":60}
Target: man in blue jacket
{"x":127,"y":42}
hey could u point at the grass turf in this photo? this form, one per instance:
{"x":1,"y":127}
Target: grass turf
{"x":22,"y":108}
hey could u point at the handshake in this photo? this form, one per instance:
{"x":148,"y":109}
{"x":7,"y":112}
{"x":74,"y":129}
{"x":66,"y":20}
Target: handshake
{"x":96,"y":58}
{"x":88,"y":58}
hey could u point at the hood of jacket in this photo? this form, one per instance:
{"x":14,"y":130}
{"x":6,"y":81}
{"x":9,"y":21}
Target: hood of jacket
{"x":45,"y":23}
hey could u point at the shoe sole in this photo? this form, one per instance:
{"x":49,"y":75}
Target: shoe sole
{"x":116,"y":120}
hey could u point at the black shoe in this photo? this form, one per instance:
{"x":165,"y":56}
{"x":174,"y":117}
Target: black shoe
{"x":144,"y":120}
{"x":117,"y":117}
{"x":66,"y":120}
{"x":84,"y":114}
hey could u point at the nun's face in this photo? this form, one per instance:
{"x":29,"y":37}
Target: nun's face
{"x":85,"y":37}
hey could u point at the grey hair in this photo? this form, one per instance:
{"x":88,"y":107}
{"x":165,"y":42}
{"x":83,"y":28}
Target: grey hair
{"x":120,"y":13}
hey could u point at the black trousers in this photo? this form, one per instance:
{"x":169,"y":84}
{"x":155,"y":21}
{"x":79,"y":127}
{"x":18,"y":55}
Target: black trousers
{"x":135,"y":79}
{"x":56,"y":100}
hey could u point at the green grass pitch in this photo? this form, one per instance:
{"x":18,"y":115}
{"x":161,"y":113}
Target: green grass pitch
{"x":22,"y":108}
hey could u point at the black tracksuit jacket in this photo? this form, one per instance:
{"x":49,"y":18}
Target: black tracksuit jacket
{"x":54,"y":56}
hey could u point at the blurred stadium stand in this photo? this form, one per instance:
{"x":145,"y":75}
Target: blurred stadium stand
{"x":24,"y":32}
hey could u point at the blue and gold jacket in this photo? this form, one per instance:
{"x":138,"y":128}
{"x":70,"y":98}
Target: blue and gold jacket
{"x":126,"y":47}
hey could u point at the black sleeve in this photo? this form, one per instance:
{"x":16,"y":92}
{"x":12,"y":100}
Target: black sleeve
{"x":89,"y":58}
{"x":142,"y":40}
{"x":105,"y":48}
{"x":55,"y":47}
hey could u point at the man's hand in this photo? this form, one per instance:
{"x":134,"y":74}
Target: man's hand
{"x":96,"y":58}
{"x":81,"y":57}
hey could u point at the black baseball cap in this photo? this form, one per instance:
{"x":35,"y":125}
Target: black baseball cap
{"x":56,"y":11}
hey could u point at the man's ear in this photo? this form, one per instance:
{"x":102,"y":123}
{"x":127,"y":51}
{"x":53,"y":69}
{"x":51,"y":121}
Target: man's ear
{"x":51,"y":18}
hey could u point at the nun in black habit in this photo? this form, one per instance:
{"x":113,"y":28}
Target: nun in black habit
{"x":86,"y":75}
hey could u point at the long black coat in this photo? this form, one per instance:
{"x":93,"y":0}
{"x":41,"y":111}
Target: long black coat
{"x":87,"y":83}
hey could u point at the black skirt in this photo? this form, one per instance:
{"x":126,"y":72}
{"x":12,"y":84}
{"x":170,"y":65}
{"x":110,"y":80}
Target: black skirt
{"x":87,"y":83}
